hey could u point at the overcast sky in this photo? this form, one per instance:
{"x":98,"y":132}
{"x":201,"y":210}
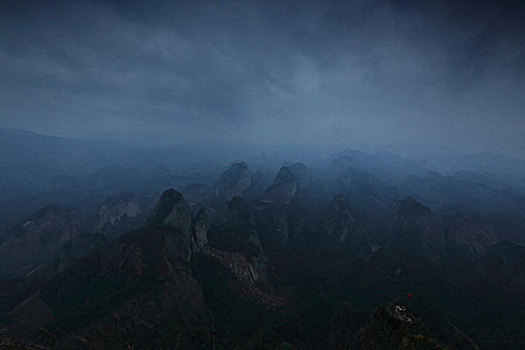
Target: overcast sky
{"x":348,"y":72}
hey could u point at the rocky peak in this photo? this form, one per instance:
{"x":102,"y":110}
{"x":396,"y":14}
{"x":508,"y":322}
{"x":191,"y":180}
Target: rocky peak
{"x":234,"y":181}
{"x":395,"y":327}
{"x":284,"y":186}
{"x":173,"y":214}
{"x":170,"y":211}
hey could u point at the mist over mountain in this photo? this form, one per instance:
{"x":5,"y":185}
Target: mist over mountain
{"x":118,"y":244}
{"x":262,"y":174}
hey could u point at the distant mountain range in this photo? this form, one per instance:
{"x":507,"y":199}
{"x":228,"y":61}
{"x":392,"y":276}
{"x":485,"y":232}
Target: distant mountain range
{"x":363,"y":252}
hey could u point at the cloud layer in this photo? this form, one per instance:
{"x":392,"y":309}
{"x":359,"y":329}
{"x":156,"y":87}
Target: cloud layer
{"x":449,"y":73}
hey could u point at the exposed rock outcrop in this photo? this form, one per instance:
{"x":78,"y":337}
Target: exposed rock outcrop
{"x":237,"y":246}
{"x":172,"y":214}
{"x":394,"y":327}
{"x":201,"y":224}
{"x":118,"y":214}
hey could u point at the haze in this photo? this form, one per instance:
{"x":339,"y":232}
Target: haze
{"x":368,"y":73}
{"x":262,"y":174}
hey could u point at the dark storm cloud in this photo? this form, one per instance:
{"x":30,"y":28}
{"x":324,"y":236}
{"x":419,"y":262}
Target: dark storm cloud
{"x":262,"y":72}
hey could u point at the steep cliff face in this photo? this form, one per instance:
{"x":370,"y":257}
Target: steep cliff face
{"x":201,"y":225}
{"x":33,"y":243}
{"x":233,"y":182}
{"x":118,"y":214}
{"x":172,"y":215}
{"x":237,"y":246}
{"x":341,"y":221}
